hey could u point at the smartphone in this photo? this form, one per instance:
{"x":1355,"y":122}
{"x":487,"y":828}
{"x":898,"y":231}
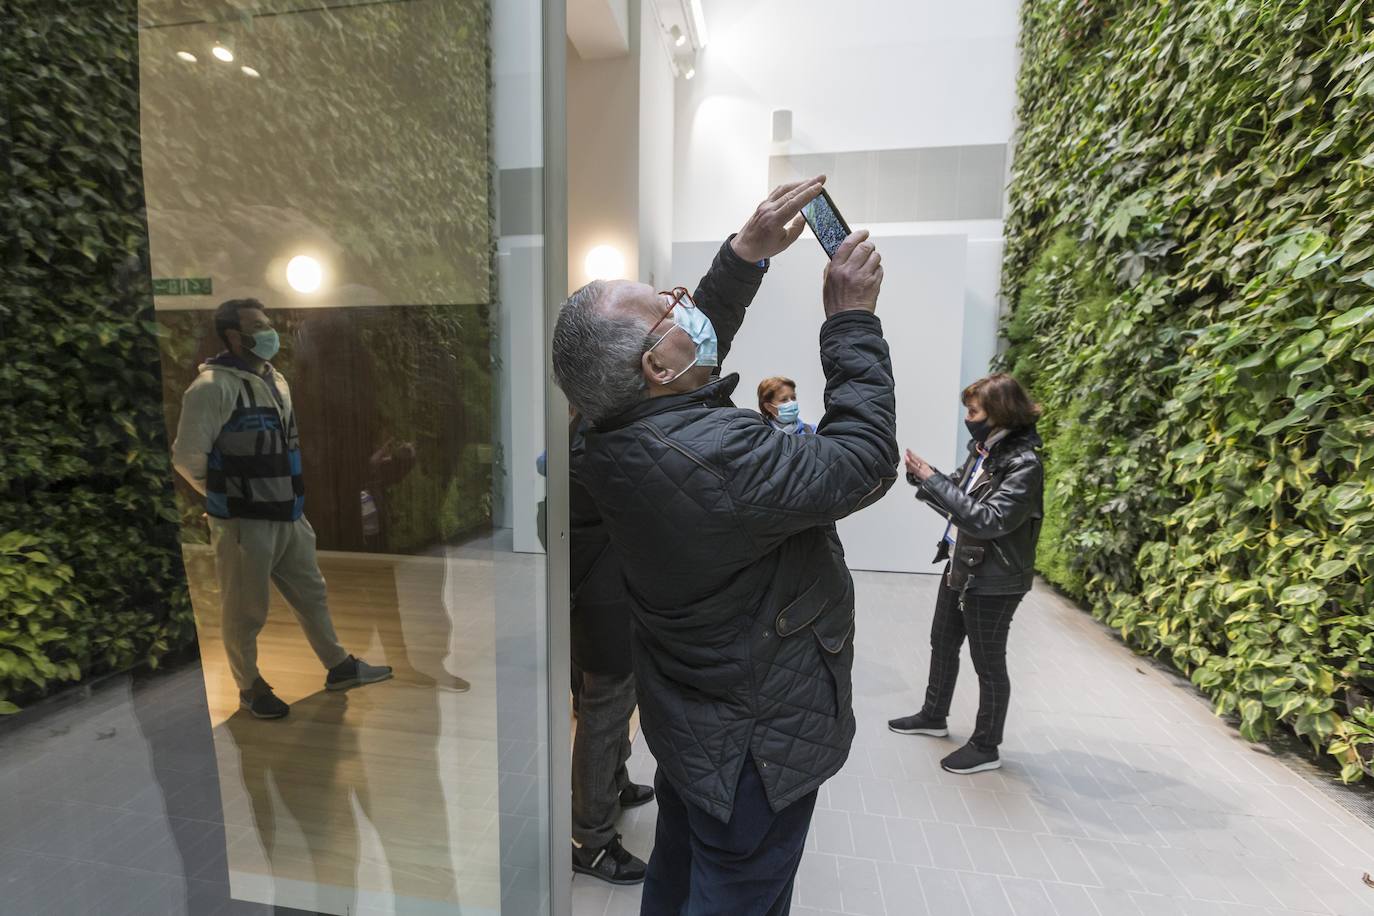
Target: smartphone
{"x":825,"y":221}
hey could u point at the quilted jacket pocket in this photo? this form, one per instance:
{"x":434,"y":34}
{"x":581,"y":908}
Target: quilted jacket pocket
{"x":800,"y":611}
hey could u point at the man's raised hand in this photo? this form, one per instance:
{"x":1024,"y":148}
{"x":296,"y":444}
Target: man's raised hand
{"x":777,"y":222}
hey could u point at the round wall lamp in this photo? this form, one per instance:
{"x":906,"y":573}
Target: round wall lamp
{"x":304,"y":274}
{"x":605,"y":263}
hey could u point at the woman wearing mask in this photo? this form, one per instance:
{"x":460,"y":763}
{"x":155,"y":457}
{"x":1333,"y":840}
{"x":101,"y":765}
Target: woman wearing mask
{"x":994,"y":504}
{"x":778,"y":404}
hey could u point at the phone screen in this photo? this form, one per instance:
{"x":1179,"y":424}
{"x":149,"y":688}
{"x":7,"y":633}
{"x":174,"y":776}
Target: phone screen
{"x":825,"y":221}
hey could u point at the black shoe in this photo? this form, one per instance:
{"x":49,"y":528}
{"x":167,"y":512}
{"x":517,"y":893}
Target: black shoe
{"x":611,"y":863}
{"x":632,"y":796}
{"x":919,"y":724}
{"x":262,"y":702}
{"x":354,"y":672}
{"x":971,"y":759}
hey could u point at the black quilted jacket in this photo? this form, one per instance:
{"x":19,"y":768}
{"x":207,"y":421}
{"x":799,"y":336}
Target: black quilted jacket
{"x":743,"y":606}
{"x":999,"y":522}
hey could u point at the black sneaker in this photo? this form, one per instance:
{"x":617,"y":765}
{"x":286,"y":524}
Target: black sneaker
{"x":919,"y":724}
{"x":612,"y":863}
{"x":262,"y":702}
{"x":633,"y":795}
{"x":971,"y":759}
{"x":354,"y":672}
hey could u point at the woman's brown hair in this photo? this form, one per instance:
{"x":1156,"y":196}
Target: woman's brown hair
{"x":1005,"y":401}
{"x":770,"y":388}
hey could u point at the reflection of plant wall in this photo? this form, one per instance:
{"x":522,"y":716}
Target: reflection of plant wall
{"x":361,"y":378}
{"x":90,"y":564}
{"x":1191,"y":274}
{"x":364,"y":139}
{"x":90,"y":568}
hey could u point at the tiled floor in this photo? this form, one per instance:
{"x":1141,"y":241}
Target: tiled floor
{"x":1121,"y":794}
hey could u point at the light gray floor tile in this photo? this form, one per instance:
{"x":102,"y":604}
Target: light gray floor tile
{"x":860,"y":888}
{"x":1026,"y":856}
{"x":832,"y":831}
{"x":985,"y":893}
{"x":1028,"y":898}
{"x":942,"y":891}
{"x":878,"y":795}
{"x":818,"y":882}
{"x":909,"y":844}
{"x":984,"y":847}
{"x":870,"y":837}
{"x":1070,"y":899}
{"x":946,"y":846}
{"x":844,"y":793}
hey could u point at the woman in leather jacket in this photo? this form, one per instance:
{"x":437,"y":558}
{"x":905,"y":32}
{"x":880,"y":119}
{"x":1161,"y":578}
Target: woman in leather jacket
{"x":994,"y":505}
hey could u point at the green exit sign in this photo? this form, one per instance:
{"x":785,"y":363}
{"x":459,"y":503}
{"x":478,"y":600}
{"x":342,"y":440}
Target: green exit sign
{"x":182,"y":286}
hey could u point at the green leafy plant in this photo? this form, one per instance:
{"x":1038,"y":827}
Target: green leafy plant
{"x":90,"y":567}
{"x":1190,"y":268}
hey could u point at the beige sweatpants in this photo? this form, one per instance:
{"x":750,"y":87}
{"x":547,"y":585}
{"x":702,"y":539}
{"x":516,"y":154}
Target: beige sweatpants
{"x":250,"y":556}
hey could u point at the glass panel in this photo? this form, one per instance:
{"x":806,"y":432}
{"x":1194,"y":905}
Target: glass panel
{"x":365,"y":179}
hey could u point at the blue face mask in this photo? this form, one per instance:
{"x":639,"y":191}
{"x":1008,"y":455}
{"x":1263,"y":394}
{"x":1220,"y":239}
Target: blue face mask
{"x":698,"y":327}
{"x":789,"y":413}
{"x":266,"y":344}
{"x":702,"y":332}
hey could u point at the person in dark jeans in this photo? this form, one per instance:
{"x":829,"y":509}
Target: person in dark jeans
{"x":600,"y":630}
{"x":994,"y":505}
{"x":724,"y":527}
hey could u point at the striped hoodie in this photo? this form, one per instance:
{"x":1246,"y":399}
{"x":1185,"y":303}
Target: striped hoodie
{"x":237,"y":442}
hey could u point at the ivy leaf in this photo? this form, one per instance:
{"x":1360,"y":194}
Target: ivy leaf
{"x":1302,"y":595}
{"x":1282,"y":423}
{"x":1330,"y":569}
{"x":1354,"y":317}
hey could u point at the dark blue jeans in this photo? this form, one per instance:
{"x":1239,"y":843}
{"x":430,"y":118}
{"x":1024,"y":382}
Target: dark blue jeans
{"x":744,"y":868}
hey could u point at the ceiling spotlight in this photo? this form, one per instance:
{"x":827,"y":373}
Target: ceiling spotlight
{"x":679,"y":37}
{"x":690,"y":72}
{"x":222,"y":53}
{"x":249,"y":71}
{"x":186,"y":56}
{"x":304,"y":274}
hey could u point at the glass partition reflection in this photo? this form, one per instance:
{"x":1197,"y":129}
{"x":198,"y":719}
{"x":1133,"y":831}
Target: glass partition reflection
{"x":369,"y":173}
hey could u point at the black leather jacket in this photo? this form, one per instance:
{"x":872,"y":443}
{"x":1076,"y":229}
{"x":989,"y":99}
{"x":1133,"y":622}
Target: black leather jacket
{"x":999,"y":521}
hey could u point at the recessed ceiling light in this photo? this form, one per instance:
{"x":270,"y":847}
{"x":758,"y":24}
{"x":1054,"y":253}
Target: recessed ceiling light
{"x":249,"y":71}
{"x":223,"y":53}
{"x":187,"y":56}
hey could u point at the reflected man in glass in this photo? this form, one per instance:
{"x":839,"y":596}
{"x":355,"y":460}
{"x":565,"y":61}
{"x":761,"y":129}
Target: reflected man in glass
{"x":237,"y":445}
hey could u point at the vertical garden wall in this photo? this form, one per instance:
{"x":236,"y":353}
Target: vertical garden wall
{"x":90,"y":567}
{"x":1190,"y":274}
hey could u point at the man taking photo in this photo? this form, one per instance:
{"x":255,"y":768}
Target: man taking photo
{"x":742,"y":605}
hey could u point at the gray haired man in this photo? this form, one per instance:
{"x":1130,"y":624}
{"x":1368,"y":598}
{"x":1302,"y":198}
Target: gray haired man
{"x":742,"y":606}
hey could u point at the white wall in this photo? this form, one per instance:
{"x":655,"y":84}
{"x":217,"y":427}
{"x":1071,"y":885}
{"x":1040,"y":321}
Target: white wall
{"x":878,"y":74}
{"x":656,"y":133}
{"x":921,"y":308}
{"x":603,"y":161}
